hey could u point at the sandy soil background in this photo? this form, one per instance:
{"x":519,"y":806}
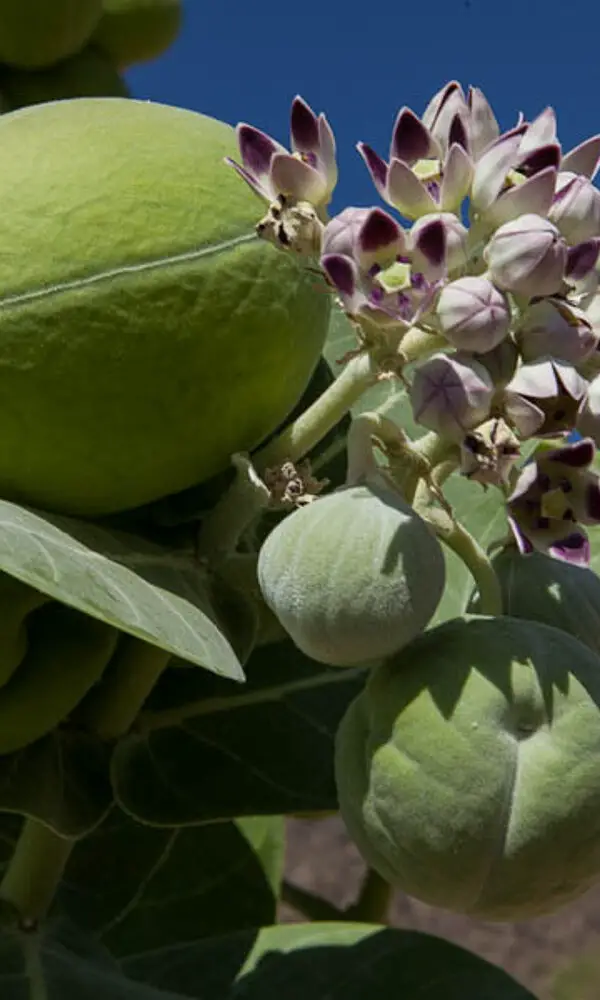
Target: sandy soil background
{"x":321,"y":858}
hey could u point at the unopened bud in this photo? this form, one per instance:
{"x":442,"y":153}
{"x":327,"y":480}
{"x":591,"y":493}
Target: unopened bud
{"x":451,"y":394}
{"x":473,"y":314}
{"x":527,"y":256}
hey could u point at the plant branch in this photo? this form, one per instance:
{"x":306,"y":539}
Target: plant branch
{"x":320,"y":418}
{"x":467,"y":548}
{"x":36,"y":868}
{"x":116,"y":703}
{"x":34,"y":871}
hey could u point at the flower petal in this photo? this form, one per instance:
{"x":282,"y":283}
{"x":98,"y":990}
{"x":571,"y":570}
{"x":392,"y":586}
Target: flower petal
{"x":577,"y":454}
{"x":458,"y":133}
{"x":456,"y":179}
{"x":581,"y":259}
{"x":406,"y":192}
{"x":380,"y":231}
{"x":492,"y":168}
{"x":430,"y":248}
{"x":583,"y":159}
{"x":304,"y":127}
{"x":441,"y":111}
{"x":483,"y":127}
{"x":263,"y":190}
{"x":293,"y":177}
{"x":541,"y":131}
{"x":523,"y":414}
{"x":533,"y":195}
{"x":327,"y":151}
{"x":411,"y":140}
{"x":574,"y":549}
{"x":377,"y":167}
{"x":257,"y":149}
{"x":524,"y":545}
{"x":341,"y":271}
{"x":538,"y":159}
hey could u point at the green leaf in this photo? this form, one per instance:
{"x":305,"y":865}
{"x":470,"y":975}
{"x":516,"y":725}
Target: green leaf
{"x":140,"y":889}
{"x":61,"y":780}
{"x":207,"y":750}
{"x":333,"y":961}
{"x":60,"y":963}
{"x":160,"y":596}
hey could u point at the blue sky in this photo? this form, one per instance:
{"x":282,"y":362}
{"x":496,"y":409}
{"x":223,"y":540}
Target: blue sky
{"x":359,"y":63}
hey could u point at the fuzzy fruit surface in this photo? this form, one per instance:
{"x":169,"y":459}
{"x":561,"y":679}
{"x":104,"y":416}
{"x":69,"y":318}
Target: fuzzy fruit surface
{"x":89,"y":73}
{"x":353,"y":576}
{"x":467,"y":770}
{"x":542,"y":589}
{"x":134,"y":31}
{"x":37,"y":33}
{"x":145,"y":334}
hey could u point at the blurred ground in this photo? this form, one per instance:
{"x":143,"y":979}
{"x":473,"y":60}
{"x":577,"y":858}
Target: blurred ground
{"x":321,"y":858}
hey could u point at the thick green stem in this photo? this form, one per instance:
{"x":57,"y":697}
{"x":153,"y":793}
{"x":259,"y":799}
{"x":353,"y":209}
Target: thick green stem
{"x":223,"y":527}
{"x":373,"y":903}
{"x":36,"y":868}
{"x":321,"y":417}
{"x":474,"y":557}
{"x":34,"y":871}
{"x":118,"y":700}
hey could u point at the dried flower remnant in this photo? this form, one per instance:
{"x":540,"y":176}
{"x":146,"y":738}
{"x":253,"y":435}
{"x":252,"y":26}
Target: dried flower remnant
{"x":489,"y":453}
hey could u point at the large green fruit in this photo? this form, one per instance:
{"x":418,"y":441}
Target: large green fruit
{"x":468,"y":770}
{"x":353,"y":576}
{"x":551,"y":591}
{"x":36,"y":33}
{"x":133,"y":31}
{"x":88,"y":74}
{"x":145,"y":333}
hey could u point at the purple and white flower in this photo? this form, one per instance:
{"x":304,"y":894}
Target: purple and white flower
{"x":555,"y":496}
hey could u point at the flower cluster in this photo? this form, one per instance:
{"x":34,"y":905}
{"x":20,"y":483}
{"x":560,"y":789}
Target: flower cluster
{"x":493,"y":258}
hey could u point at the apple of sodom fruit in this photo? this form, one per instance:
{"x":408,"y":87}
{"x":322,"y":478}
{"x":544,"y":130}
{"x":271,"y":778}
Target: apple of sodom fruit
{"x":146,"y":334}
{"x":551,"y":591}
{"x":468,"y":769}
{"x":36,"y":33}
{"x":133,"y":31}
{"x":352,"y":576}
{"x":90,"y":73}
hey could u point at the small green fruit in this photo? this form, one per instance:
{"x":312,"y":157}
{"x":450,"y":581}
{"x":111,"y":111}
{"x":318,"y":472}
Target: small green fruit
{"x":353,"y":576}
{"x":88,"y":74}
{"x":551,"y":591}
{"x":134,"y":31}
{"x":37,"y":33}
{"x":145,"y":333}
{"x":468,"y":769}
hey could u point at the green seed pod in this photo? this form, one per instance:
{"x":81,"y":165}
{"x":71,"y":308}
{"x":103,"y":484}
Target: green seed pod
{"x":353,"y":576}
{"x":68,"y":653}
{"x":542,"y":589}
{"x":467,"y":769}
{"x":145,"y":333}
{"x":134,"y":31}
{"x":37,"y":33}
{"x":17,"y":601}
{"x":88,"y":74}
